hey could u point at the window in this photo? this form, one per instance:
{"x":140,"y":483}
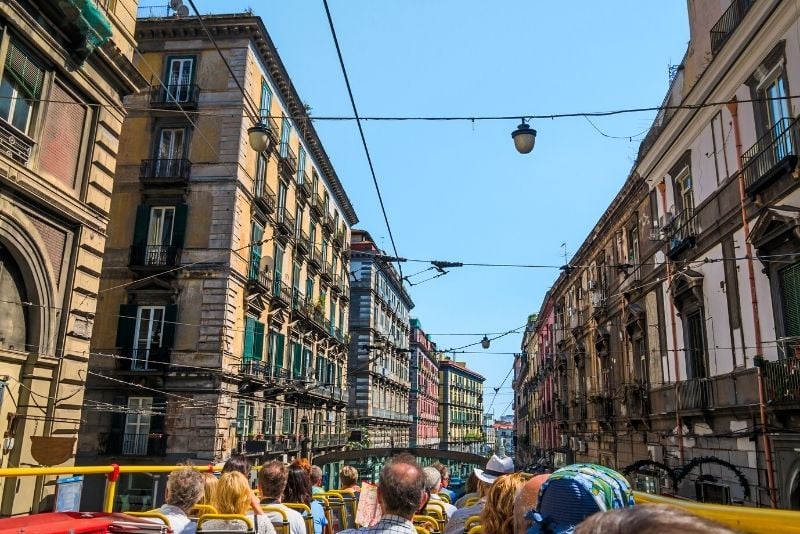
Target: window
{"x":298,"y":222}
{"x":286,"y":129}
{"x":281,"y":200}
{"x":276,"y":340}
{"x":266,"y":101}
{"x":696,"y":364}
{"x":21,"y":86}
{"x":256,"y":237}
{"x":301,"y":166}
{"x":790,"y":300}
{"x":244,"y":418}
{"x":278,"y":269}
{"x":137,"y":426}
{"x":314,"y":181}
{"x":149,"y":326}
{"x":170,"y":143}
{"x":633,"y":246}
{"x":288,"y":421}
{"x":261,"y":176}
{"x":778,"y":115}
{"x":268,"y":424}
{"x":253,"y":340}
{"x":180,"y":74}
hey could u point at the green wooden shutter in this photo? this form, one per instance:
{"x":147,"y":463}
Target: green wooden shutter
{"x":170,"y":317}
{"x":258,"y":341}
{"x":790,"y":287}
{"x":126,"y":328}
{"x":179,"y":228}
{"x":28,"y":74}
{"x":279,"y":340}
{"x":141,"y":225}
{"x":249,"y":338}
{"x":297,"y":360}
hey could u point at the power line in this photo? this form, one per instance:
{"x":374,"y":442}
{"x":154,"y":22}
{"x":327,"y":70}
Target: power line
{"x":361,"y":132}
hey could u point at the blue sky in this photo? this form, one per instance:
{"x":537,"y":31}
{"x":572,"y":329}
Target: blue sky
{"x":458,"y":191}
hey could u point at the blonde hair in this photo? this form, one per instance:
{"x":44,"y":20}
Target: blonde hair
{"x":232,"y":495}
{"x":209,"y":488}
{"x":348,"y":476}
{"x":497,"y":516}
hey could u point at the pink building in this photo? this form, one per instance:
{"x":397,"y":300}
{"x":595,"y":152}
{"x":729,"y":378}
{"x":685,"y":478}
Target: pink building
{"x":424,"y":398}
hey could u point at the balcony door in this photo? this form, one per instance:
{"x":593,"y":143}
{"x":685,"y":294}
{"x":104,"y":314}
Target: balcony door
{"x":159,"y":234}
{"x":696,"y":357}
{"x":778,"y":116}
{"x":147,"y":336}
{"x":170,"y":151}
{"x":179,"y":79}
{"x":137,"y":426}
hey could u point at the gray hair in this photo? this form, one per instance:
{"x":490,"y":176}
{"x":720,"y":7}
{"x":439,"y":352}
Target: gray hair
{"x":316,"y":474}
{"x":432,"y":478}
{"x":185,"y":488}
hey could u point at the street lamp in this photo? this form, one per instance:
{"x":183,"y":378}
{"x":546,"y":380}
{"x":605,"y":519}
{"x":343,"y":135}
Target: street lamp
{"x":485,"y":342}
{"x":258,"y":135}
{"x":524,"y":137}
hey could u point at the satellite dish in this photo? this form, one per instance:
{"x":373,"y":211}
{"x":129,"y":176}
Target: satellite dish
{"x":175,"y":4}
{"x":182,"y":11}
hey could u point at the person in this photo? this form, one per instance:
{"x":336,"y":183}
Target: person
{"x":272,"y":481}
{"x":471,"y":489}
{"x":575,"y":492}
{"x":433,"y":484}
{"x":316,"y":480}
{"x":233,"y":496}
{"x":304,"y":463}
{"x":240,"y":463}
{"x":400,"y":490}
{"x":444,"y":472}
{"x":298,"y":490}
{"x":184,"y":490}
{"x":497,"y":516}
{"x":649,"y":519}
{"x":495,"y":467}
{"x":526,"y":500}
{"x":209,"y":487}
{"x":348,"y":479}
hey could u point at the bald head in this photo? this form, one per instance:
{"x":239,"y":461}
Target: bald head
{"x":400,"y":488}
{"x":526,"y":499}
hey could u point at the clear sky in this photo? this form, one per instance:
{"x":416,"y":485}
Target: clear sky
{"x":458,"y":191}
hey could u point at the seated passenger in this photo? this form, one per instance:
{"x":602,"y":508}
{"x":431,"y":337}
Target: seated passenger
{"x":184,"y":490}
{"x":316,"y":480}
{"x":272,"y":482}
{"x":526,"y":500}
{"x":649,"y":519}
{"x":209,"y":487}
{"x":444,"y":472}
{"x":495,"y":467}
{"x":471,"y":490}
{"x":298,"y":490}
{"x":433,"y":484}
{"x":234,"y":496}
{"x":348,"y":479}
{"x":573,"y":493}
{"x":497,"y":516}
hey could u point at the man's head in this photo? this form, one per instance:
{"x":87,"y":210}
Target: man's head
{"x":444,"y":472}
{"x":316,"y":475}
{"x":526,"y":499}
{"x":400,"y":488}
{"x":185,"y":488}
{"x":433,"y":480}
{"x":272,"y":480}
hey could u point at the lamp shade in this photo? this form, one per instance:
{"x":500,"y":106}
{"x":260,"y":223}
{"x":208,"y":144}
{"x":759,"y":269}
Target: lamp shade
{"x":258,"y":137}
{"x":485,"y":342}
{"x":524,"y":138}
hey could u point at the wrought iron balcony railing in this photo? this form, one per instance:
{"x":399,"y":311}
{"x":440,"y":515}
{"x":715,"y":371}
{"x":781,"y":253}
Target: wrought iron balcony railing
{"x":147,"y":359}
{"x":696,"y":394}
{"x":287,"y":161}
{"x":165,"y":171}
{"x":258,"y":280}
{"x":153,"y":256}
{"x":682,"y":232}
{"x":14,"y":143}
{"x":264,"y":196}
{"x":285,"y":221}
{"x":317,"y":204}
{"x":124,"y":444}
{"x":303,"y":242}
{"x":774,"y":154}
{"x":782,"y":377}
{"x":281,"y":293}
{"x":303,"y":184}
{"x":728,"y":22}
{"x":183,"y":95}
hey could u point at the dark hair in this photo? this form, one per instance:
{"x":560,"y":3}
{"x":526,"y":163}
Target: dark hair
{"x":401,"y":487}
{"x":238,"y":462}
{"x":272,"y":479}
{"x":649,"y":519}
{"x":298,"y":486}
{"x":472,"y":483}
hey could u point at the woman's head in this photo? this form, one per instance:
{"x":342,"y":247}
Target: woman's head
{"x":348,"y":476}
{"x":232,"y":494}
{"x":304,"y":463}
{"x":238,"y":462}
{"x":209,"y":488}
{"x":498,"y":514}
{"x":298,"y":486}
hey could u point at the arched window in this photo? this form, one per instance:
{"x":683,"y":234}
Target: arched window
{"x":14,"y":315}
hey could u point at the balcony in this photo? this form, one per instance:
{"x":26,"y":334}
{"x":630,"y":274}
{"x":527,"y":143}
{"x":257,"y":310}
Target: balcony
{"x":336,"y":281}
{"x":264,"y":196}
{"x":635,"y":403}
{"x":273,"y":130}
{"x":261,"y":371}
{"x":338,"y":238}
{"x":258,"y":280}
{"x":299,"y":303}
{"x":603,"y":407}
{"x":153,"y":257}
{"x":303,"y":184}
{"x":317,"y":204}
{"x":257,"y":445}
{"x":177,"y":96}
{"x":696,"y":394}
{"x":682,"y":233}
{"x":165,"y":171}
{"x":315,"y":256}
{"x":284,"y":221}
{"x":782,"y":379}
{"x":327,"y":271}
{"x":303,"y":242}
{"x":287,"y":162}
{"x":154,"y":359}
{"x":14,"y":143}
{"x":772,"y":156}
{"x":327,"y":223}
{"x":151,"y":444}
{"x":281,"y":293}
{"x":727,"y":23}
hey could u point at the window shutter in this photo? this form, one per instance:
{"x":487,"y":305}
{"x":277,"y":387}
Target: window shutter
{"x":297,"y":360}
{"x":142,"y":224}
{"x":790,"y":287}
{"x":126,"y":328}
{"x":179,"y":228}
{"x":27,"y":73}
{"x":249,"y":338}
{"x":170,"y":317}
{"x":258,"y":342}
{"x":279,"y":350}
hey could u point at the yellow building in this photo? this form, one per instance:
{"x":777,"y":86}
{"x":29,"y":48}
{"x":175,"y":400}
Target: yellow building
{"x":65,"y":68}
{"x":460,"y":407}
{"x":223,"y":322}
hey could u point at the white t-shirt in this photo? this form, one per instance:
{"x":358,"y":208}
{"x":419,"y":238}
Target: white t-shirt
{"x":297,"y":525}
{"x":178,"y":520}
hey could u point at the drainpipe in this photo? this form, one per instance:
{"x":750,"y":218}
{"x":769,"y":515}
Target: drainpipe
{"x":662,"y":190}
{"x":733,"y":106}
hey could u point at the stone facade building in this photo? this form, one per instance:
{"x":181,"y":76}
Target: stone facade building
{"x":675,"y":337}
{"x":424,"y":397}
{"x":222,"y":326}
{"x":65,"y":68}
{"x":378,"y":361}
{"x":460,"y":407}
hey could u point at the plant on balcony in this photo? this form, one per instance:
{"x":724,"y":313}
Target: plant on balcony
{"x":155,"y":435}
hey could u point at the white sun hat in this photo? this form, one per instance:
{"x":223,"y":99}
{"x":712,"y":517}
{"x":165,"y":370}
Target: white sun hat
{"x":495,"y":467}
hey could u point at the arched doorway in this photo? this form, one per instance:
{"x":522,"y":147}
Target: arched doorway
{"x":14,"y":314}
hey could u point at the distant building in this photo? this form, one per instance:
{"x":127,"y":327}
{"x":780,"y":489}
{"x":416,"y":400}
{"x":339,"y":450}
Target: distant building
{"x":378,"y":360}
{"x":504,"y":432}
{"x":460,"y":407}
{"x":489,"y":435}
{"x":424,"y":397}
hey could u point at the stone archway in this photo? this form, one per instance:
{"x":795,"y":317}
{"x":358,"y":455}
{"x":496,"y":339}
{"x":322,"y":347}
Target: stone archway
{"x":794,"y":491}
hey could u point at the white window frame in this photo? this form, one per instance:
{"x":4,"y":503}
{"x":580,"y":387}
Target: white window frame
{"x":135,"y":443}
{"x":143,"y":364}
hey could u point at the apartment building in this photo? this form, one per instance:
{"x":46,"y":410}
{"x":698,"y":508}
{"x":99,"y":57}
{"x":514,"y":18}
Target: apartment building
{"x":222,"y":326}
{"x":378,"y":359}
{"x":65,"y":68}
{"x":460,"y":407}
{"x":424,"y":396}
{"x":680,"y":340}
